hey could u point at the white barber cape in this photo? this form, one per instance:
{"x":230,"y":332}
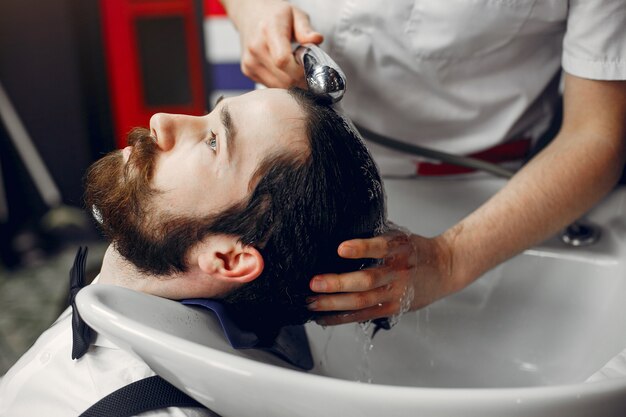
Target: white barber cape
{"x":47,"y":382}
{"x":464,"y":75}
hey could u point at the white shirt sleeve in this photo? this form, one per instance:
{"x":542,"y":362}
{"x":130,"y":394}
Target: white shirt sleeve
{"x":595,"y":42}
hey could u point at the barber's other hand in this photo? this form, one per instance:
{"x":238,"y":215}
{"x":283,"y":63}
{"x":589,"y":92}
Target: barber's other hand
{"x":415,"y":272}
{"x":266,"y":29}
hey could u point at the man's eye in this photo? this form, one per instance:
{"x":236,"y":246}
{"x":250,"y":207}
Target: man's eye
{"x":212,"y":141}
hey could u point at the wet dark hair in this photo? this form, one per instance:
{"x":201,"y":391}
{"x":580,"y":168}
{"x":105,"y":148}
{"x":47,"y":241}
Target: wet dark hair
{"x":308,"y":208}
{"x":302,"y":206}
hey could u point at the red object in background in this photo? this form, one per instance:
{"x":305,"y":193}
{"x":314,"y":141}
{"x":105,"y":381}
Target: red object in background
{"x":213,"y":8}
{"x":154,"y":60}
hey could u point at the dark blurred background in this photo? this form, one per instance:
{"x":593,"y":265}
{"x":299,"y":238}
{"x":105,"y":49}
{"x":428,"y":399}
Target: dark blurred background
{"x":75,"y":76}
{"x":52,"y":73}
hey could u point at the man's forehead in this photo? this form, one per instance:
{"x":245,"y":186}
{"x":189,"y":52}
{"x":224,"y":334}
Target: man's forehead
{"x":269,"y":98}
{"x":271,"y":113}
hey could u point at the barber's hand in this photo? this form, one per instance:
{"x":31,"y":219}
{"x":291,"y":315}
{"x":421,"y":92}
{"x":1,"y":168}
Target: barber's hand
{"x":266,"y":29}
{"x":414,"y":273}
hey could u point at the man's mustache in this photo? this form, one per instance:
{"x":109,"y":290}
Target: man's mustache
{"x":138,"y":135}
{"x":144,"y":152}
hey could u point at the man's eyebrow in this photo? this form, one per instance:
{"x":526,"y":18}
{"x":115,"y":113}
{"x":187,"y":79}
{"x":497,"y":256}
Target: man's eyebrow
{"x":230,"y":130}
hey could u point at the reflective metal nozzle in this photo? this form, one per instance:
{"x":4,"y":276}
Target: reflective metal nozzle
{"x":323,"y":75}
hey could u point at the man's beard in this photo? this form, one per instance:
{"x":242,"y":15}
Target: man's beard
{"x":121,"y":196}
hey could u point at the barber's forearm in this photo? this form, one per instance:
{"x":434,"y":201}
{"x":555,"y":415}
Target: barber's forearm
{"x":551,"y":192}
{"x":564,"y":181}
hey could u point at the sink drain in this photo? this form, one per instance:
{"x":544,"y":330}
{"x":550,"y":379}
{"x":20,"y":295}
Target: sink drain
{"x":580,"y":234}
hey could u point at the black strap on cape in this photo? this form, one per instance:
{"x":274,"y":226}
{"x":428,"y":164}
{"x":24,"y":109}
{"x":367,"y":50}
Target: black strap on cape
{"x":152,"y":393}
{"x":81,"y":333}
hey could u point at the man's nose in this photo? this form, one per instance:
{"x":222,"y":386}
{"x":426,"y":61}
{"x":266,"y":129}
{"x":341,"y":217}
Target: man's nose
{"x":163,"y":127}
{"x":172,"y":129}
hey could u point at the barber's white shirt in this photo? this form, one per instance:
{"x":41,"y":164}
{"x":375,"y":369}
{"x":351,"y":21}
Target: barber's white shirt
{"x":464,"y":75}
{"x":47,"y":382}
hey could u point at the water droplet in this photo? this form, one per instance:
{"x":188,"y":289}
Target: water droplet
{"x":364,"y":338}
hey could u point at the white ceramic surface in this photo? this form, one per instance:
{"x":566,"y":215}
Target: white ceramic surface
{"x":519,"y":342}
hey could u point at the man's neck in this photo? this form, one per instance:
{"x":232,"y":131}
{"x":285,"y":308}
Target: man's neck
{"x":116,"y":270}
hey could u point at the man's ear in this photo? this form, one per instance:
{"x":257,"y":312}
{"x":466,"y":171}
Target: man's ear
{"x":225,"y":258}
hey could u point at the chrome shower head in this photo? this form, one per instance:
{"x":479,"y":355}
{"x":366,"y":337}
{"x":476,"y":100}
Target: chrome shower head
{"x":323,"y":75}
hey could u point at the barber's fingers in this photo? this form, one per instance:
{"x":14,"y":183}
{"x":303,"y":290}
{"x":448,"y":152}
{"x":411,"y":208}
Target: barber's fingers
{"x":277,"y":79}
{"x":379,"y":247}
{"x":279,"y":34}
{"x":255,"y":59}
{"x":258,"y":73}
{"x":375,"y":312}
{"x":291,"y":23}
{"x":362,"y":280}
{"x":303,"y":32}
{"x":352,"y":301}
{"x":267,"y":54}
{"x":256,"y":64}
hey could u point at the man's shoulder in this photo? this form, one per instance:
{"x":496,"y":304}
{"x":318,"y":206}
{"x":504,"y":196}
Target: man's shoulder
{"x":64,"y":386}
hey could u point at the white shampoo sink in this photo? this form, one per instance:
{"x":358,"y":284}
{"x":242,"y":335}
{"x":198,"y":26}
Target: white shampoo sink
{"x":522,"y":341}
